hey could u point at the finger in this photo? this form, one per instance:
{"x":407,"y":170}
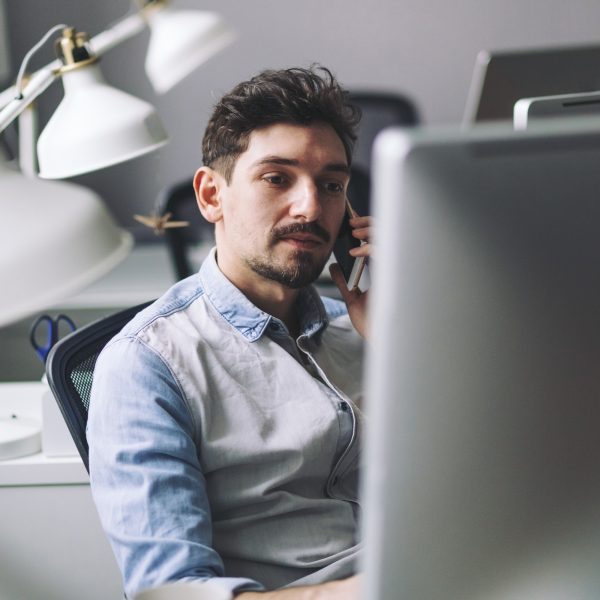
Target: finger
{"x":361,"y":221}
{"x":362,"y":250}
{"x":364,"y":233}
{"x":338,"y":278}
{"x":349,"y":296}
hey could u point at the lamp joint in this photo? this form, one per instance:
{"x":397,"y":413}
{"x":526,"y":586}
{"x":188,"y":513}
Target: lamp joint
{"x":73,"y":50}
{"x":147,"y":7}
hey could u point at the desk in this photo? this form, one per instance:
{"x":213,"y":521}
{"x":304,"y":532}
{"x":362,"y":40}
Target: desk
{"x":52,"y":545}
{"x":144,"y":275}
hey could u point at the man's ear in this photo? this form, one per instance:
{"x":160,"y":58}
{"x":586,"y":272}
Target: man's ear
{"x":208,"y":184}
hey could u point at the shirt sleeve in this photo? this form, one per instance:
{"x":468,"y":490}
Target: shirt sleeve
{"x":145,"y":475}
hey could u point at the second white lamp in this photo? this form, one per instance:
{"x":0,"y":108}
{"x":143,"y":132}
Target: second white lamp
{"x":95,"y":125}
{"x":57,"y":237}
{"x":180,"y":41}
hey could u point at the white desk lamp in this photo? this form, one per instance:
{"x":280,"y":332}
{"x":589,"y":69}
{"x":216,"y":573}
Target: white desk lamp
{"x":94,"y":126}
{"x":180,"y":41}
{"x":58,"y":237}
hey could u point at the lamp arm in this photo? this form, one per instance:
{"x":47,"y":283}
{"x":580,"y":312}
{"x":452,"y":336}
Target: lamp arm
{"x":121,"y":31}
{"x":38,"y":83}
{"x":9,"y":94}
{"x":27,"y":139}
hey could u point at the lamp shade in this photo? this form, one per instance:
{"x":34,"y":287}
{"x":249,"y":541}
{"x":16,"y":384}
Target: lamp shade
{"x":95,"y":126}
{"x":180,"y":41}
{"x":56,"y":238}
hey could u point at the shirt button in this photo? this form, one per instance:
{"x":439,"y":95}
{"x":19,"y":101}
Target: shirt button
{"x":344,"y":406}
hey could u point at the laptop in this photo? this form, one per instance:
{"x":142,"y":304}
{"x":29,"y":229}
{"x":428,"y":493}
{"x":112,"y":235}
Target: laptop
{"x":500,"y":78}
{"x":529,"y":111}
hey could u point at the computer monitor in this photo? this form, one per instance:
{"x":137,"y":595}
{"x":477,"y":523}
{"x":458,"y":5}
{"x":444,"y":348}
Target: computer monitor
{"x":482,"y":459}
{"x":528,"y":111}
{"x":500,"y":78}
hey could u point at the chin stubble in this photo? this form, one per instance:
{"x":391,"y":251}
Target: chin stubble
{"x":302,"y":268}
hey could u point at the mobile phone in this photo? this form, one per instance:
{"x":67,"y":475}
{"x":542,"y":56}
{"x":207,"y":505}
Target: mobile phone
{"x":352,"y":268}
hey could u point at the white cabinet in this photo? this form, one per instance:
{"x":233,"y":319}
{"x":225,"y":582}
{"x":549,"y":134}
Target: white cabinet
{"x":52,"y":546}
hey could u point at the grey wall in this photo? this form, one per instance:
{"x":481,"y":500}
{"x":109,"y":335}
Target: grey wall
{"x":423,"y":48}
{"x":4,"y":54}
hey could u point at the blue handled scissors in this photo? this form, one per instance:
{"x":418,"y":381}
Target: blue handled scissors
{"x":52,"y":327}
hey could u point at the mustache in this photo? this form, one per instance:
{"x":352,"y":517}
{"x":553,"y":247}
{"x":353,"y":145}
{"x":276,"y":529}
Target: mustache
{"x":311,"y":228}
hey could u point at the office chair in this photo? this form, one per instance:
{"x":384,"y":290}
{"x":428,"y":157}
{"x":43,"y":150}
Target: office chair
{"x":379,"y":110}
{"x":70,"y":371}
{"x":180,"y":200}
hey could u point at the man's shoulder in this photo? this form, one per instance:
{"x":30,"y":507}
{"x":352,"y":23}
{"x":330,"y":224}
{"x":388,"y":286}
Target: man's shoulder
{"x":178,"y":298}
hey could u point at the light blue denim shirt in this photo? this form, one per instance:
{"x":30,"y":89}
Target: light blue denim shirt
{"x":222,"y":448}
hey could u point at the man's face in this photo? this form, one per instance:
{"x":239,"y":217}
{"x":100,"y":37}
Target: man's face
{"x":284,"y":205}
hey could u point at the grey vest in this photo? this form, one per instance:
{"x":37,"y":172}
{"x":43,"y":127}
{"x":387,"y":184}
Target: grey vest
{"x":283,"y":500}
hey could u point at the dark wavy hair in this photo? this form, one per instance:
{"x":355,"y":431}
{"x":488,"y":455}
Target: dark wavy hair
{"x":297,"y":96}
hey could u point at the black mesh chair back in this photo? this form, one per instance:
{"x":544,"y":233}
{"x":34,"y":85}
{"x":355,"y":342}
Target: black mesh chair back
{"x":379,"y":110}
{"x":70,"y":371}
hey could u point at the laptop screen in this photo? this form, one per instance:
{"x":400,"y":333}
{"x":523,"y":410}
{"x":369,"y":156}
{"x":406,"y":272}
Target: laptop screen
{"x":502,"y":78}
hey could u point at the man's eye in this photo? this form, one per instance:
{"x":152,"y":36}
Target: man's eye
{"x":333,"y":187}
{"x":274,"y":179}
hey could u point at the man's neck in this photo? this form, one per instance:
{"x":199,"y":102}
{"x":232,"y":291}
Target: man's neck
{"x":276,"y":300}
{"x":271,"y":297}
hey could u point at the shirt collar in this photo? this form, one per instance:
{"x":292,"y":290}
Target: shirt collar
{"x":247,"y":318}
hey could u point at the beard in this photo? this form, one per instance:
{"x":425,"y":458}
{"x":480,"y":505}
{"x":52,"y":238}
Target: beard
{"x":301,"y":268}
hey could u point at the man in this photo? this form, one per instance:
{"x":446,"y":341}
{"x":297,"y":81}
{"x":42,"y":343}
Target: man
{"x":225,"y":418}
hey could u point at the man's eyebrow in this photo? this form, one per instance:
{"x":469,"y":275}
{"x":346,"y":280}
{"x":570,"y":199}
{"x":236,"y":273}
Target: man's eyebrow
{"x":276,"y":160}
{"x":280,"y":160}
{"x":338,"y":168}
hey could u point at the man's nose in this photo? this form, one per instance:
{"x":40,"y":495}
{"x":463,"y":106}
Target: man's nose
{"x":306,"y":202}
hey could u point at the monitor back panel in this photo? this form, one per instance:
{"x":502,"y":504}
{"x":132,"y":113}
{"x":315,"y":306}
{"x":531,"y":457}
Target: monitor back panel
{"x":482,"y":474}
